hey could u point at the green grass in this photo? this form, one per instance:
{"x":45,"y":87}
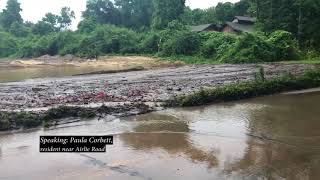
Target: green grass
{"x":312,"y":62}
{"x":246,"y":90}
{"x":190,"y":59}
{"x":203,"y":60}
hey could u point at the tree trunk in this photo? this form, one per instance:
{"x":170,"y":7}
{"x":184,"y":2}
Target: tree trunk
{"x":258,"y":9}
{"x":300,"y":21}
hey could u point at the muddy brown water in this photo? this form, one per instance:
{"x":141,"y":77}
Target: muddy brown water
{"x":274,"y":137}
{"x":13,"y":74}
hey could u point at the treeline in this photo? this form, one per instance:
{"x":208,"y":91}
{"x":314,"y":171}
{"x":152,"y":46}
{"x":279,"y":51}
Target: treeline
{"x":162,"y":27}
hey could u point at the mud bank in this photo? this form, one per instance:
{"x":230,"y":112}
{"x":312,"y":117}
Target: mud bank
{"x":59,"y":115}
{"x":136,"y":87}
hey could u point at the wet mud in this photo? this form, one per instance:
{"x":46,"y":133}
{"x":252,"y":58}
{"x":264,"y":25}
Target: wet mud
{"x":131,"y":87}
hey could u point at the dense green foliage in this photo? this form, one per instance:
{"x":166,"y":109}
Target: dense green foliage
{"x":167,"y":11}
{"x":11,"y":14}
{"x":160,"y":27}
{"x":250,"y":89}
{"x":300,"y":17}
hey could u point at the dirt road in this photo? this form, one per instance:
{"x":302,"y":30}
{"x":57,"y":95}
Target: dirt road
{"x":141,"y":86}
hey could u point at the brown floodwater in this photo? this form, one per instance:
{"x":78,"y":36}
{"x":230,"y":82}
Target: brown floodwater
{"x":274,"y":137}
{"x":13,"y":74}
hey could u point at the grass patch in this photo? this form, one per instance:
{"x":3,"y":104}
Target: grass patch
{"x":311,"y":61}
{"x":190,"y":59}
{"x":245,"y":90}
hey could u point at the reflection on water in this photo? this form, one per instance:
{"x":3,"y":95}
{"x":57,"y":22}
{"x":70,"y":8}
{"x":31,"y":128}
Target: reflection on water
{"x":275,"y":137}
{"x":167,"y":133}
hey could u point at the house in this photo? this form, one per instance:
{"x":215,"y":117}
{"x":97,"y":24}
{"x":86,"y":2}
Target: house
{"x":244,"y":20}
{"x":206,"y":27}
{"x":239,"y":24}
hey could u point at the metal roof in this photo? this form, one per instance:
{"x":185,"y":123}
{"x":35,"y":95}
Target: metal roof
{"x":246,"y":18}
{"x":202,"y":27}
{"x":240,"y":27}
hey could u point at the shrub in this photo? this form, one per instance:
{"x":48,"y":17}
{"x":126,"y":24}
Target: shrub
{"x":88,"y":48}
{"x":68,"y":42}
{"x":285,"y":45}
{"x":27,"y":120}
{"x":35,"y":46}
{"x":215,"y":44}
{"x":249,"y":48}
{"x":4,"y":124}
{"x":8,"y":44}
{"x":311,"y":55}
{"x":150,"y":43}
{"x":181,"y":43}
{"x":106,"y":39}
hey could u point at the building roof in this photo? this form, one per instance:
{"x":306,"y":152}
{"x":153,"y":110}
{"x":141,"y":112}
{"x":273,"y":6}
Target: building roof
{"x":203,"y":27}
{"x":246,"y":18}
{"x":240,"y":27}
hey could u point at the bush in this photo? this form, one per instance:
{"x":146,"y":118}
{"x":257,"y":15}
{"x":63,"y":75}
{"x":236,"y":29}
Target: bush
{"x":27,"y":120}
{"x":35,"y":46}
{"x":4,"y":124}
{"x":88,"y":48}
{"x":108,"y":39}
{"x":8,"y":44}
{"x":150,"y":43}
{"x":215,"y":44}
{"x":311,"y":55}
{"x":285,"y":45}
{"x":68,"y":42}
{"x":250,"y":48}
{"x":181,"y":43}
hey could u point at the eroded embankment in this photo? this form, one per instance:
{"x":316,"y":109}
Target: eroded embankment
{"x":58,"y":115}
{"x":243,"y":90}
{"x":131,"y":87}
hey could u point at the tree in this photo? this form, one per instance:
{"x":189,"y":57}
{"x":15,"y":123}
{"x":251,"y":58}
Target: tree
{"x":224,"y":12}
{"x":308,"y":23}
{"x":65,"y":18}
{"x":42,"y":28}
{"x":241,"y":8}
{"x":52,"y":20}
{"x":19,"y":30}
{"x":54,"y":23}
{"x":167,"y":11}
{"x":199,"y":16}
{"x":87,"y":25}
{"x":102,"y":12}
{"x":11,"y":14}
{"x":135,"y":13}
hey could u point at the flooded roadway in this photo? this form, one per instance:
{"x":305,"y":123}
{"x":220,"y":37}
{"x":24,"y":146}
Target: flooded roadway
{"x":56,"y":66}
{"x":12,"y":74}
{"x":275,"y":137}
{"x":156,"y":85}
